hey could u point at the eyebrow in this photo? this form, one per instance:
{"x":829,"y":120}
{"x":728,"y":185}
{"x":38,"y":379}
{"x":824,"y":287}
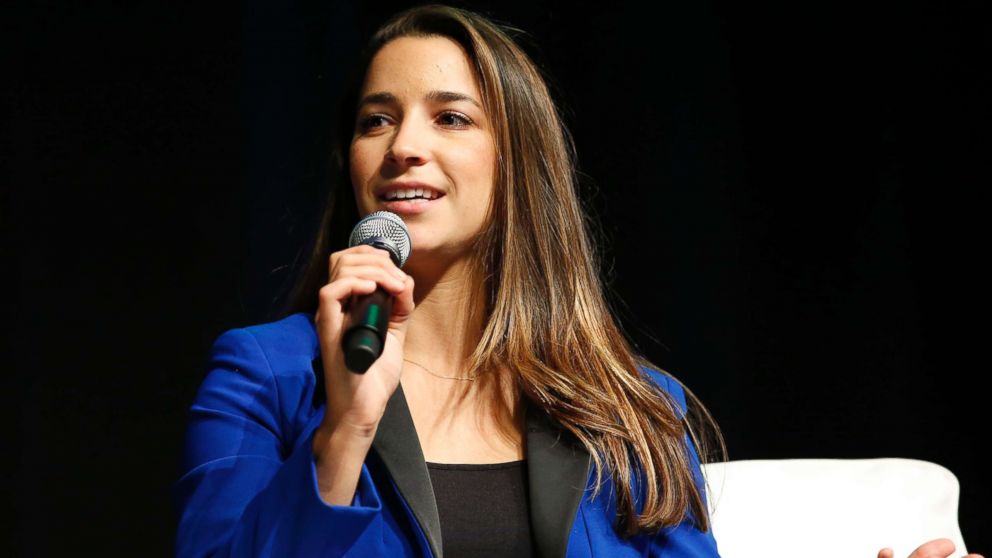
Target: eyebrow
{"x":383,"y":98}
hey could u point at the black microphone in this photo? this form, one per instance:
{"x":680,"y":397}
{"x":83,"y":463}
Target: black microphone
{"x":365,"y":337}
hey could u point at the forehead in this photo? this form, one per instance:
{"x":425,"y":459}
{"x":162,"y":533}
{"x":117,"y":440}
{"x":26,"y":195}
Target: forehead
{"x":417,"y":64}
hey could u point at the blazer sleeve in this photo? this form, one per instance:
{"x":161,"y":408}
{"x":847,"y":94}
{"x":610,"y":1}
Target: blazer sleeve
{"x":248,"y":484}
{"x":684,"y":539}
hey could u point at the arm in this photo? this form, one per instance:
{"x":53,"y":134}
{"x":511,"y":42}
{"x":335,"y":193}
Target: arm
{"x":249,"y":487}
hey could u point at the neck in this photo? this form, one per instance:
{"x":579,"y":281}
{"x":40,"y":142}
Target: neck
{"x":445,"y":329}
{"x":447,"y":321}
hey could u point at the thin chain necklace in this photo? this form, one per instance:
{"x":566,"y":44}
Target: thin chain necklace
{"x":428,"y":370}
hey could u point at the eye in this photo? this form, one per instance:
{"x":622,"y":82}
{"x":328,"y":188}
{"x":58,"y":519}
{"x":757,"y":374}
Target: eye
{"x":453,"y":119}
{"x":372,"y":122}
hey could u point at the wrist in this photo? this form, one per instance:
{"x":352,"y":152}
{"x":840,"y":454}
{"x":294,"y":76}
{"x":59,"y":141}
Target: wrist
{"x":338,"y":456}
{"x":358,"y":424}
{"x":339,"y":436}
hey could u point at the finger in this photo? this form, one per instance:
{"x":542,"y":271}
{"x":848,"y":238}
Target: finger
{"x":886,"y":553}
{"x":332,"y":296}
{"x":403,"y":305}
{"x":392,"y":282}
{"x":362,"y":254}
{"x":937,"y":548}
{"x":359,"y":255}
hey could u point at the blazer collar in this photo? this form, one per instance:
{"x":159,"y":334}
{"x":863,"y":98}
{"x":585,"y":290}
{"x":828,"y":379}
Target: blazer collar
{"x":558,"y":470}
{"x":397,"y":445}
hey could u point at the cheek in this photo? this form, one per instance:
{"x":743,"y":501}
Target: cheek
{"x":357,"y":163}
{"x":479,"y":162}
{"x":359,"y":168}
{"x":487,"y":170}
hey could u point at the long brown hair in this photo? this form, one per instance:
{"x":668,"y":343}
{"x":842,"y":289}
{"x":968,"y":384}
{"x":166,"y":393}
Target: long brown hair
{"x":546,"y":317}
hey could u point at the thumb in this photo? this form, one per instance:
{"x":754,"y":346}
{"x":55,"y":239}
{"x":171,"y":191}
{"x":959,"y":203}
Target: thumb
{"x":403,"y":305}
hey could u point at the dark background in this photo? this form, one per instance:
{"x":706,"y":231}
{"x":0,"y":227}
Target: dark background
{"x":808,"y":179}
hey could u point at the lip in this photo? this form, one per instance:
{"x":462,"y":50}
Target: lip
{"x":407,"y":207}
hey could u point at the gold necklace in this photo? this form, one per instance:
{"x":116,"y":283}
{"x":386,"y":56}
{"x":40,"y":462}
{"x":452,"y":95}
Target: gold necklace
{"x":428,"y":370}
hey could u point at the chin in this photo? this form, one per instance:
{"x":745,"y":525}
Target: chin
{"x":432,"y":251}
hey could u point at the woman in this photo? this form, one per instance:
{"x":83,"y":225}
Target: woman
{"x":506,"y":415}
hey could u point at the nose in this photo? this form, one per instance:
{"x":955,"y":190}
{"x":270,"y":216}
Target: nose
{"x":409,"y":146}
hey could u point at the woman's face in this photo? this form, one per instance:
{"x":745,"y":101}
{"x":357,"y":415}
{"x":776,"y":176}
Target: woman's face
{"x":423,"y":147}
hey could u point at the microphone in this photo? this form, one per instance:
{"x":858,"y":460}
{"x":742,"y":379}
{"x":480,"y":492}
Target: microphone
{"x":365,"y":337}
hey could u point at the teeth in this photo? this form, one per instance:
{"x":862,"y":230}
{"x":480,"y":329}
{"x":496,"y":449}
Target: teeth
{"x":411,"y":193}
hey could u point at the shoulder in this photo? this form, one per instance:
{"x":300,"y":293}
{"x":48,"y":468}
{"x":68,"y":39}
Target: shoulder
{"x":288,"y":344}
{"x":256,"y":396}
{"x":666,"y":383}
{"x":290,"y":337}
{"x":268,"y":365}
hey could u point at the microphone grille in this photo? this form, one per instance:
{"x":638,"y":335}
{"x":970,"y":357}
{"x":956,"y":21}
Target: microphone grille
{"x":383,"y":229}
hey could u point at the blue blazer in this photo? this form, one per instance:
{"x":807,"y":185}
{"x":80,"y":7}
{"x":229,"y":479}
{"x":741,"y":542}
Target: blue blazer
{"x":248,"y":485}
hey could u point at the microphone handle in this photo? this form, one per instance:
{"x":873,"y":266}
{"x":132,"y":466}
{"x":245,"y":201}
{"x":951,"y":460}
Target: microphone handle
{"x":365,"y":337}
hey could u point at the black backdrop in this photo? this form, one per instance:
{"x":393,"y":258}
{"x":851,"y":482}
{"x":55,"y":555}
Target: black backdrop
{"x":792,"y":196}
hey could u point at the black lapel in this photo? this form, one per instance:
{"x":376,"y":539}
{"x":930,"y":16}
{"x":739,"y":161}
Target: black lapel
{"x":398,"y":446}
{"x":558,"y":468}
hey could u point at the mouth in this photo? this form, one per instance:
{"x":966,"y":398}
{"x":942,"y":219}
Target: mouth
{"x":409,"y":198}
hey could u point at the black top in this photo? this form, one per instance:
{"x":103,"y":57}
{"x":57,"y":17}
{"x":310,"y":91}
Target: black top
{"x":483,"y":509}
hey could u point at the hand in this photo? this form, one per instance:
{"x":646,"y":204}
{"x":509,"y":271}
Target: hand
{"x":356,"y":402}
{"x":937,"y":548}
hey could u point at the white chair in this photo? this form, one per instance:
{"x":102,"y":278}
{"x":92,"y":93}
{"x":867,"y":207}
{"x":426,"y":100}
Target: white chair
{"x":848,"y":508}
